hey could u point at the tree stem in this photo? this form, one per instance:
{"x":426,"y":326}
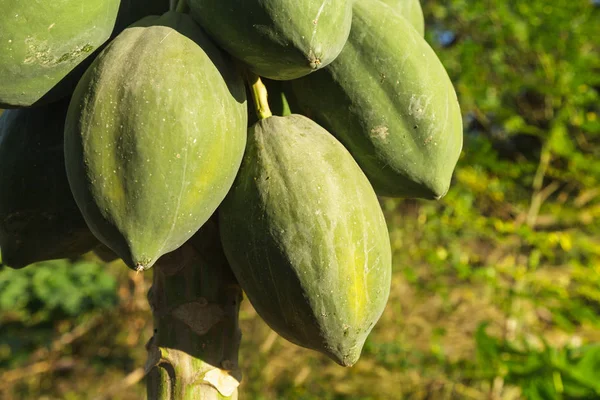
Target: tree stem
{"x":195,"y":301}
{"x":259,"y":94}
{"x":182,"y":6}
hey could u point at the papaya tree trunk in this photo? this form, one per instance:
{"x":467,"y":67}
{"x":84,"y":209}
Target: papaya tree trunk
{"x":195,"y":301}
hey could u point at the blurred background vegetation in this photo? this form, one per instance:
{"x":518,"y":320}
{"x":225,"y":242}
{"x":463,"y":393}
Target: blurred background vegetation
{"x":496,"y":288}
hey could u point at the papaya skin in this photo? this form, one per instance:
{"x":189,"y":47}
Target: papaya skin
{"x":277,"y":39}
{"x":155,"y":134}
{"x":306,"y":238}
{"x":42,"y":42}
{"x":39,"y":219}
{"x":411,"y":10}
{"x":389,"y":100}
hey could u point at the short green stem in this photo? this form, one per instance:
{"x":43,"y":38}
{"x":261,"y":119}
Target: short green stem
{"x":260,"y":95}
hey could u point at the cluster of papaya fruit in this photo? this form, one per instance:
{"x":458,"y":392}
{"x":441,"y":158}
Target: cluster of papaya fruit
{"x":128,"y":127}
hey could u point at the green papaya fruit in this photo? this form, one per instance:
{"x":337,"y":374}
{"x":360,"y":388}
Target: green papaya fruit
{"x":411,"y":10}
{"x":389,"y":100}
{"x":154,"y":136}
{"x":278,"y":39}
{"x":306,"y":238}
{"x":39,"y":219}
{"x":41,"y":42}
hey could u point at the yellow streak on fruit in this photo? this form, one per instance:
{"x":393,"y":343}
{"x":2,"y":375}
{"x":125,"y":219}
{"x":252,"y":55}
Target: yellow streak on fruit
{"x":212,"y":166}
{"x":356,"y":290}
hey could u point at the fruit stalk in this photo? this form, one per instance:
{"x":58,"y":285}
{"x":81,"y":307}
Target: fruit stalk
{"x":259,"y":95}
{"x":182,"y":6}
{"x":195,"y":301}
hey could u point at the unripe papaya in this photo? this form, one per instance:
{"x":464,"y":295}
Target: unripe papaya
{"x":154,"y":137}
{"x":41,"y":42}
{"x":306,"y":238}
{"x":278,"y":39}
{"x":411,"y":10}
{"x":39,"y":219}
{"x":389,"y":100}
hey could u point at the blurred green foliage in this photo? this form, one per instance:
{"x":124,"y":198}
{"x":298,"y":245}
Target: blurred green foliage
{"x":496,"y":289}
{"x":33,"y":298}
{"x":544,"y":373}
{"x":55,"y":289}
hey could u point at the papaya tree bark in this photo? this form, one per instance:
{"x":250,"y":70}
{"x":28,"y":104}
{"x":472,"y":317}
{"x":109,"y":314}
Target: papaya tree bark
{"x":195,"y":300}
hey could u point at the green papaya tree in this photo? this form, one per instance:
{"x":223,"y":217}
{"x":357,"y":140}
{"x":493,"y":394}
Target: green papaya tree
{"x":157,"y":158}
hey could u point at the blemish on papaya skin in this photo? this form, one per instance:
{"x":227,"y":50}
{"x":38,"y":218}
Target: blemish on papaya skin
{"x":380,"y":132}
{"x":75,"y":54}
{"x":418,"y":105}
{"x":40,"y":53}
